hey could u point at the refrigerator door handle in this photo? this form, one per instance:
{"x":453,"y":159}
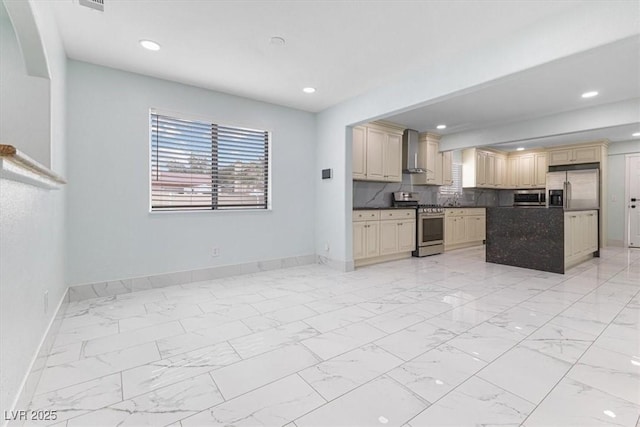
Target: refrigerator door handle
{"x":569,"y":195}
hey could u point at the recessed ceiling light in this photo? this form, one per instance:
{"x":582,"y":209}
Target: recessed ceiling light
{"x":609,"y":413}
{"x":277,"y":41}
{"x":441,"y":127}
{"x":309,"y":89}
{"x":150,"y":45}
{"x":635,"y":134}
{"x":590,"y":94}
{"x":520,"y":149}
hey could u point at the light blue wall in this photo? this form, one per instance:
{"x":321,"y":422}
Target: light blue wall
{"x":112,"y":235}
{"x":31,"y":219}
{"x":24,"y":103}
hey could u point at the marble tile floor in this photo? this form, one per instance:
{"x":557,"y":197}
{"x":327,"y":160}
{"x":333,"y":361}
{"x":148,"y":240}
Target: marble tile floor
{"x":447,"y":340}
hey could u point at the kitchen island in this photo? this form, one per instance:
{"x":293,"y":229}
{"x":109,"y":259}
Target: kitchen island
{"x":546,"y":239}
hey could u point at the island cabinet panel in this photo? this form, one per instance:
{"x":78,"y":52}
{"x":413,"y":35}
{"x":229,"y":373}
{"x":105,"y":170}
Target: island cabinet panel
{"x":463,"y":227}
{"x":580,"y":236}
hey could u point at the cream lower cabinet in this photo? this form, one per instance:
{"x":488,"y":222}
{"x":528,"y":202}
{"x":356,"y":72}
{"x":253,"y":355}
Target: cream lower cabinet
{"x":464,"y":227}
{"x":455,"y":230}
{"x":580,"y":236}
{"x":476,"y":227}
{"x":397,"y":236}
{"x":383,"y":235}
{"x":366,"y":234}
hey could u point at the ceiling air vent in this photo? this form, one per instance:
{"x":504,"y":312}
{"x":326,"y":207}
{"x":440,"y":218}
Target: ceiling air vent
{"x":93,"y":4}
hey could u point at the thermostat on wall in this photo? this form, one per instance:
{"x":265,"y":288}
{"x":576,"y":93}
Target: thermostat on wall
{"x":326,"y":174}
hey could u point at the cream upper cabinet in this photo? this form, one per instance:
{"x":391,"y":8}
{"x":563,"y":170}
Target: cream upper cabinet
{"x":447,"y":168}
{"x":540,"y":165}
{"x":376,"y":141}
{"x":429,"y":156}
{"x":512,"y":171}
{"x":393,"y":158}
{"x":500,"y":177}
{"x":359,"y":146}
{"x":574,"y":155}
{"x":483,"y":168}
{"x":377,"y":153}
{"x":434,"y":162}
{"x":527,"y":170}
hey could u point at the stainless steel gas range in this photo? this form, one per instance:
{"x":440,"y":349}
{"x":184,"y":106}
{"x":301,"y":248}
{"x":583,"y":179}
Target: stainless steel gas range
{"x":429,"y":223}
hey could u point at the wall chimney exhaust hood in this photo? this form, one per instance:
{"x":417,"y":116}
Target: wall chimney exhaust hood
{"x":410,"y":146}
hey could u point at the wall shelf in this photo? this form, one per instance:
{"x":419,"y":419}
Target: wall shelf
{"x":17,"y":166}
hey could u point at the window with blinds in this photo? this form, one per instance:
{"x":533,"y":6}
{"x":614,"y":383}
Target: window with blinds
{"x":198,"y":165}
{"x":456,"y":187}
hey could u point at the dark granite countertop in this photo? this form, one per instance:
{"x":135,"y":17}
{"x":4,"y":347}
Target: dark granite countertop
{"x":378,"y":208}
{"x":469,"y":207}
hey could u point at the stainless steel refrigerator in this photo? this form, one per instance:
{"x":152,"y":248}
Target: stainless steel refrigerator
{"x":574,"y":189}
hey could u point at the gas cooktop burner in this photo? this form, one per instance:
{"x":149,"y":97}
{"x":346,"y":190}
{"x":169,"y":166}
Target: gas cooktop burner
{"x":431,"y":209}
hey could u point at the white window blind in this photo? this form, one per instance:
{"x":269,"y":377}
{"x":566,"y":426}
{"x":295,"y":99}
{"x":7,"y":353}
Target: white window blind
{"x":198,"y":165}
{"x":456,"y":187}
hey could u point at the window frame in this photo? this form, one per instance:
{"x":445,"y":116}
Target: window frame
{"x":207,"y":119}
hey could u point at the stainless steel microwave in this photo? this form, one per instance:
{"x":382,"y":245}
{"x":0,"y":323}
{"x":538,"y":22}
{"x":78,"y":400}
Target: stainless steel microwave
{"x":529,"y":198}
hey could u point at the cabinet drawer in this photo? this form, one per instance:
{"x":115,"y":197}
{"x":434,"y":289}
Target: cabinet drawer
{"x":366,"y":215}
{"x":454,"y":212}
{"x":398,"y":214}
{"x":475,"y":211}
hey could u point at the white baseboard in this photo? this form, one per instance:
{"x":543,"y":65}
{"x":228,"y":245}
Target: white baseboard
{"x":124,"y":286}
{"x":336,"y":264}
{"x":616,"y":243}
{"x":39,"y":362}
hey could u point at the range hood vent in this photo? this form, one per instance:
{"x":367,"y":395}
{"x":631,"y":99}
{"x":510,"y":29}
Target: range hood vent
{"x":410,"y":144}
{"x":93,"y":4}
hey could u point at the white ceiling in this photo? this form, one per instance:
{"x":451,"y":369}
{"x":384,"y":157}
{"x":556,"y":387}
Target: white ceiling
{"x":556,"y":87}
{"x":346,"y":48}
{"x":342,"y":48}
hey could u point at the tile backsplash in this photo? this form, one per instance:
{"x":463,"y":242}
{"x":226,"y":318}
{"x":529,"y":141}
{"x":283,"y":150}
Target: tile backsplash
{"x":379,"y":194}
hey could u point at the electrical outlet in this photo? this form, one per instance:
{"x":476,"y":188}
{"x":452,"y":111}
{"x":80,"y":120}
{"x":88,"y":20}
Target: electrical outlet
{"x":46,"y":302}
{"x":215,"y":252}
